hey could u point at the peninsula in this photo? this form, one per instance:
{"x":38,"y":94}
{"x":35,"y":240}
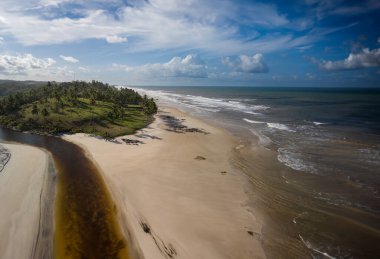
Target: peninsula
{"x":78,"y":106}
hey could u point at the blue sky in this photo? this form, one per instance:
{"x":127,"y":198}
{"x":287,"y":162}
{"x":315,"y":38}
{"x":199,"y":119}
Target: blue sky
{"x":192,"y":42}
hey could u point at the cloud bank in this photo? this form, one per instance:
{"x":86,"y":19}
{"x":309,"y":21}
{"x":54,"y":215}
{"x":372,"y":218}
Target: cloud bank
{"x":116,"y":39}
{"x":190,"y":66}
{"x":364,"y":59}
{"x":22,"y":64}
{"x":247,"y":64}
{"x":154,"y":24}
{"x":69,"y":59}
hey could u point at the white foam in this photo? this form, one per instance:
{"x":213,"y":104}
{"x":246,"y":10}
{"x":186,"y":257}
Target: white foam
{"x":260,"y":107}
{"x":292,"y":160}
{"x":252,"y":121}
{"x":205,"y":103}
{"x":278,"y":126}
{"x":251,"y":112}
{"x":316,"y":123}
{"x":263,"y":140}
{"x":309,"y":245}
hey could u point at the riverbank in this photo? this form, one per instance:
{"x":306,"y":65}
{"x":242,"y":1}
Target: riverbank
{"x":24,"y":203}
{"x":176,"y":191}
{"x":75,"y":198}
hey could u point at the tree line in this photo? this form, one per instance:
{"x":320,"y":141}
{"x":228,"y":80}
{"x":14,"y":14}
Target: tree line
{"x":72,"y":91}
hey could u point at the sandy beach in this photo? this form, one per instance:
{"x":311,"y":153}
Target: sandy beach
{"x":175,"y":191}
{"x":22,"y":182}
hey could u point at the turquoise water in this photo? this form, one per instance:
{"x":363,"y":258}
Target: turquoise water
{"x":328,"y":139}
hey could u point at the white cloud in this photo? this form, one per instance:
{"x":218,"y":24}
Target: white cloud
{"x":364,"y":59}
{"x":116,"y":39}
{"x":96,"y":24}
{"x":69,"y":59}
{"x":1,"y":40}
{"x":28,"y":67}
{"x":247,"y":64}
{"x":23,"y":64}
{"x":189,"y":66}
{"x":155,"y":24}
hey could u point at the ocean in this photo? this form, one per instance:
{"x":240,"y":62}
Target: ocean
{"x":325,"y":145}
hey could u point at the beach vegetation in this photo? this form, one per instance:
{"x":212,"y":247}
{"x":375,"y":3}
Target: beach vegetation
{"x":78,"y":106}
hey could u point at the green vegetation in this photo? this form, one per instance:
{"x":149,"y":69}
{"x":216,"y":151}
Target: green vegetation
{"x":77,"y":106}
{"x":8,"y":87}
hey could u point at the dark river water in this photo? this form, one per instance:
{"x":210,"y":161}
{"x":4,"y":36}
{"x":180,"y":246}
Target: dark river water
{"x":85,"y":218}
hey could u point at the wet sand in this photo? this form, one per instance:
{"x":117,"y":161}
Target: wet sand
{"x":25,"y":203}
{"x":175,"y":191}
{"x":296,"y":224}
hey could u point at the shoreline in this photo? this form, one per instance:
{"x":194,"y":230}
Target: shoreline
{"x":27,"y":194}
{"x":176,"y":191}
{"x":160,"y":187}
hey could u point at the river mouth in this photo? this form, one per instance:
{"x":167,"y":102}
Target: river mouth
{"x":85,"y":222}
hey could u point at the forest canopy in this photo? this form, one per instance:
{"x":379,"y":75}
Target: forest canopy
{"x":78,"y":106}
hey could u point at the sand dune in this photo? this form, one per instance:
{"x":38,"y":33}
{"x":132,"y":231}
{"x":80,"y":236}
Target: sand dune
{"x":21,"y":183}
{"x":176,"y":191}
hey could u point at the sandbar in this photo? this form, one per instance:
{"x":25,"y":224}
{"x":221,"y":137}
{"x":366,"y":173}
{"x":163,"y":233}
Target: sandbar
{"x":176,"y":192}
{"x":22,"y":183}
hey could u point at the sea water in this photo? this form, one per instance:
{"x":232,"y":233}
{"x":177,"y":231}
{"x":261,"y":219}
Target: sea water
{"x":328,"y":138}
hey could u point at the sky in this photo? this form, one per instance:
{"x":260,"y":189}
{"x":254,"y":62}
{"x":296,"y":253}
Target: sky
{"x":327,"y":43}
